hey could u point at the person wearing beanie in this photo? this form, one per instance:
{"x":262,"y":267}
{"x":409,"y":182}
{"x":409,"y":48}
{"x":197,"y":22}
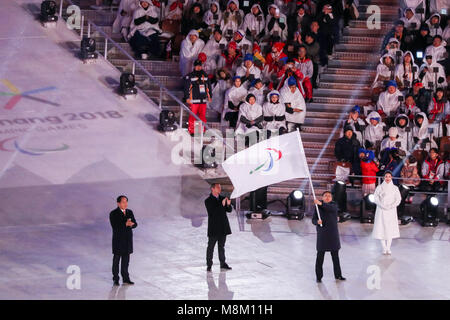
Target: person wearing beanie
{"x":274,"y":113}
{"x":197,"y":92}
{"x":275,"y":58}
{"x":230,"y":57}
{"x":234,"y":98}
{"x":248,"y":71}
{"x":374,"y":132}
{"x":241,"y":41}
{"x":294,"y":103}
{"x":250,"y":119}
{"x":369,"y":168}
{"x":289,"y":70}
{"x":388,"y":101}
{"x":355,"y":122}
{"x":299,"y":22}
{"x":346,"y":153}
{"x":254,"y":23}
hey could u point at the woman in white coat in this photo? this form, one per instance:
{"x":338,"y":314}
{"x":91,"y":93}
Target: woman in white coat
{"x":124,"y":17}
{"x":274,"y":114}
{"x":295,"y":104}
{"x":250,"y":117}
{"x":190,"y":48}
{"x":234,"y":98}
{"x":387,"y":198}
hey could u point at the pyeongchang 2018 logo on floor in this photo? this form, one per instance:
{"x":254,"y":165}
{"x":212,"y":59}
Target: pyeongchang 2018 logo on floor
{"x":16,"y":95}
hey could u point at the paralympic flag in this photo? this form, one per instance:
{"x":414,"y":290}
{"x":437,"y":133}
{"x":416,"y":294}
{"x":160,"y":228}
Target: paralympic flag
{"x":270,"y":161}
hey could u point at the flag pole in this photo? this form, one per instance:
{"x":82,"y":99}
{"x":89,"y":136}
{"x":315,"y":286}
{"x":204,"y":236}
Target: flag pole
{"x":309,"y":174}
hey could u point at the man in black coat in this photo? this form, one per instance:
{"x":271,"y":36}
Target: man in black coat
{"x":346,"y":150}
{"x":327,"y":235}
{"x":218,"y":225}
{"x":122,"y":222}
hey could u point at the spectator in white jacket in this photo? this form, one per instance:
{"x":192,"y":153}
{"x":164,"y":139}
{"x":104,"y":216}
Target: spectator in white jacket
{"x":407,"y":71}
{"x":374,"y":132}
{"x":234,"y":98}
{"x":276,"y":25}
{"x":232,"y":19}
{"x":385,"y":70}
{"x":124,"y":17}
{"x":213,"y":17}
{"x":420,"y":133}
{"x":257,"y":89}
{"x":254,"y":23}
{"x":410,"y":20}
{"x":392,"y":140}
{"x":250,"y":117}
{"x":248,"y":71}
{"x":294,"y":103}
{"x":388,"y":101}
{"x":437,"y":49}
{"x":431,"y":79}
{"x":434,"y":24}
{"x":190,"y":49}
{"x":274,"y":112}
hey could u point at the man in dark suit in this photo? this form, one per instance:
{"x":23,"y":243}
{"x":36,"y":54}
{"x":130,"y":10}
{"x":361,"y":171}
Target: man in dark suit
{"x":122,"y":222}
{"x":218,"y":225}
{"x":327,"y":235}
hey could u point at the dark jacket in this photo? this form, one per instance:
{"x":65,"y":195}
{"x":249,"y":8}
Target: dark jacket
{"x":218,"y":224}
{"x":328,"y":234}
{"x":312,"y":50}
{"x":122,"y":239}
{"x":347,"y":149}
{"x":201,"y":87}
{"x":422,"y":99}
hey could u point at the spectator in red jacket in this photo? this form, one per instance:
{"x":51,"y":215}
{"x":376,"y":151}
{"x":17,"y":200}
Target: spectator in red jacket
{"x":369,"y":169}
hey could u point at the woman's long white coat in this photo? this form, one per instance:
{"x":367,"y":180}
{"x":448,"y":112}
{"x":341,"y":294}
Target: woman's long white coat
{"x":387,"y":198}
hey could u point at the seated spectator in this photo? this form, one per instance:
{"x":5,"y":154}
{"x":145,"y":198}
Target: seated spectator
{"x":257,"y":89}
{"x":356,"y":123}
{"x":422,"y":97}
{"x":290,"y":70}
{"x":428,"y":77}
{"x":219,"y":88}
{"x":124,"y":17}
{"x":234,"y":98}
{"x":233,"y":17}
{"x":229,"y":58}
{"x":411,"y":22}
{"x":174,"y":9}
{"x":212,"y":48}
{"x":393,"y":141}
{"x":421,"y":137}
{"x":275,"y":60}
{"x":402,"y":124}
{"x":388,"y":102}
{"x":276,"y":25}
{"x":410,"y":174}
{"x":327,"y":24}
{"x":241,"y":42}
{"x":369,"y":168}
{"x":213,"y":17}
{"x":190,"y":49}
{"x":374,"y":131}
{"x":299,"y":22}
{"x":407,"y":71}
{"x":394,"y":165}
{"x":312,"y":51}
{"x":193,"y":20}
{"x":248,"y":71}
{"x":295,"y":104}
{"x":438,"y":112}
{"x":398,"y":33}
{"x":409,"y":108}
{"x":305,"y":65}
{"x":346,"y":152}
{"x":254,"y":23}
{"x":414,"y":4}
{"x":274,"y":112}
{"x":422,"y":39}
{"x":437,"y":49}
{"x":258,"y":58}
{"x":393,"y":48}
{"x":145,"y":31}
{"x":434,"y":24}
{"x":433,"y":168}
{"x":250,"y":117}
{"x":385,"y":72}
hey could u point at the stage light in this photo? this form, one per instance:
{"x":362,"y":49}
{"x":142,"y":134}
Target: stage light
{"x":429,"y":211}
{"x":295,"y":205}
{"x":367,"y":209}
{"x":167,"y":121}
{"x":127,"y":83}
{"x":404,"y":192}
{"x":48,"y":11}
{"x":88,"y":48}
{"x":258,"y":204}
{"x":340,"y":197}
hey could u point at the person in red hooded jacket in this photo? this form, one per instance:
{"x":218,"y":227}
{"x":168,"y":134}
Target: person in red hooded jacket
{"x":276,"y":58}
{"x":369,"y":169}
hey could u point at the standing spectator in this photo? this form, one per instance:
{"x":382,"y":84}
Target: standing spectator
{"x":346,"y":152}
{"x":356,"y":123}
{"x":369,"y":169}
{"x":254,"y":23}
{"x":193,"y":20}
{"x":312,"y":50}
{"x":274,"y":113}
{"x":326,"y":23}
{"x":234,"y":98}
{"x":190,"y":49}
{"x":433,"y":168}
{"x":295,"y":104}
{"x":305,"y":65}
{"x":299,"y":22}
{"x":197,"y":92}
{"x":145,"y":31}
{"x":276,"y":25}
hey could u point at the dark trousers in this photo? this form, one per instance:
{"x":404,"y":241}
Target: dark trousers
{"x":142,"y":44}
{"x":210,"y":250}
{"x":125,"y":260}
{"x":336,"y":265}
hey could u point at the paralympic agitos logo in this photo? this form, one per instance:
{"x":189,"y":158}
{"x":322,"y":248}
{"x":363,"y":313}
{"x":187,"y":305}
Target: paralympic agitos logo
{"x":267,"y":165}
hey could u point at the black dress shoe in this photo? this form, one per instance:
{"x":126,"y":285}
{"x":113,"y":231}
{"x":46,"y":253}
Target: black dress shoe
{"x":225,"y":267}
{"x":340,"y":278}
{"x":208,"y":269}
{"x":318,"y":280}
{"x":128,"y":282}
{"x":116,"y":283}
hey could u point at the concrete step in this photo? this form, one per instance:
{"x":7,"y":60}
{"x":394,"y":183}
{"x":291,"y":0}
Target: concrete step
{"x":356,"y":48}
{"x":349,"y":64}
{"x":325,"y":92}
{"x":356,"y":56}
{"x":351,"y":71}
{"x":384,"y":8}
{"x":345,"y":79}
{"x":365,"y":32}
{"x":368,"y":41}
{"x":363,"y":24}
{"x":342,"y":101}
{"x":344,"y":85}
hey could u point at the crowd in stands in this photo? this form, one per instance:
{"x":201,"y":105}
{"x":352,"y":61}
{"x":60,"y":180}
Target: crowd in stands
{"x":405,"y":128}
